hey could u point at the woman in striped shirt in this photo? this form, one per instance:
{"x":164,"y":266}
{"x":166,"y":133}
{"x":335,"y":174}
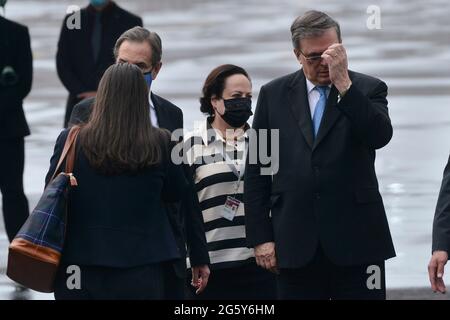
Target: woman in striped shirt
{"x":216,"y":154}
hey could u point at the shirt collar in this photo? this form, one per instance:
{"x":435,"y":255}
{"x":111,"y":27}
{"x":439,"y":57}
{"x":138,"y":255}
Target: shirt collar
{"x":310,"y":86}
{"x":208,"y":138}
{"x":150,"y":100}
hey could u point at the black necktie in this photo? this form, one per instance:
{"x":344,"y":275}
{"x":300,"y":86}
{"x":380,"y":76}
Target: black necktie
{"x":97,"y":36}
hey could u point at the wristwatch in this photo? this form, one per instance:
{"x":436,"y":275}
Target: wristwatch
{"x":341,"y":95}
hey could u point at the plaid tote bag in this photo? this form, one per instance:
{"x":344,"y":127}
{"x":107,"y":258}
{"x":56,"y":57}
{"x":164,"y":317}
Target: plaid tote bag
{"x":35,"y":252}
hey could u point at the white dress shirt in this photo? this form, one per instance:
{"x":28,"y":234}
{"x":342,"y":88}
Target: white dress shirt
{"x":153,"y":116}
{"x":314,"y":95}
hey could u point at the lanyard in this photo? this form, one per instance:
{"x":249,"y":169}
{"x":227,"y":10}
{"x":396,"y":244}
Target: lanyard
{"x":239,"y":173}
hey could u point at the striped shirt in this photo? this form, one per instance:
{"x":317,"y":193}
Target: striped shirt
{"x":215,"y":180}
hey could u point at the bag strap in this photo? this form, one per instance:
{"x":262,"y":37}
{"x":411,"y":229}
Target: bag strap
{"x":69,"y":153}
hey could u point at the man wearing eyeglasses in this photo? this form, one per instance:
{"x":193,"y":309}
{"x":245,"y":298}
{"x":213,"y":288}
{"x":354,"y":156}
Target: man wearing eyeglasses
{"x":320,"y":222}
{"x":143,"y":48}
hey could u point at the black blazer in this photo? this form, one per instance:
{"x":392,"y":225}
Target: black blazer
{"x":75,"y":63}
{"x":441,"y":224}
{"x":16,"y":52}
{"x":169,"y":116}
{"x":325,"y":190}
{"x":185,"y":216}
{"x":119,"y":220}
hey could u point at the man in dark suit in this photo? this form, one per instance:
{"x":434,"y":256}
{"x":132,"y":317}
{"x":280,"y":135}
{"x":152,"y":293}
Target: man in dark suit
{"x":319,"y":221}
{"x":85,"y":53}
{"x":441,"y":235}
{"x":16,"y":73}
{"x":143,"y":48}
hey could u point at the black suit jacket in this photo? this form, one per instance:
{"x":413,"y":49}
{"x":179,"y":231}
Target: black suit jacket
{"x":185,"y":216}
{"x":75,"y":63}
{"x":119,"y":220}
{"x":441,"y":224}
{"x":325,"y":191}
{"x":16,"y":52}
{"x":76,"y":66}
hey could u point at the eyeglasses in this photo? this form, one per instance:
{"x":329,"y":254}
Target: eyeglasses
{"x":311,"y":59}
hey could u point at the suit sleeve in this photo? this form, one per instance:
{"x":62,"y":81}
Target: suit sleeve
{"x":57,"y":151}
{"x":257,"y":187}
{"x":195,"y":233}
{"x":441,"y":224}
{"x":81,"y":112}
{"x":369,"y":115}
{"x":64,"y":65}
{"x":175,"y":183}
{"x":24,"y":70}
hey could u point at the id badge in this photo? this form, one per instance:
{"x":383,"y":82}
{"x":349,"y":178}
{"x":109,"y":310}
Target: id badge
{"x":230,"y":208}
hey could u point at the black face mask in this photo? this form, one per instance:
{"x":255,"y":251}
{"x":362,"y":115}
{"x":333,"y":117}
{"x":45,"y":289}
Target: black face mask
{"x":237,"y":111}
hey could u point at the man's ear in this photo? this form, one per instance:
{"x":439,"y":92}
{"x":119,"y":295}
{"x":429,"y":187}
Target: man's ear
{"x":156,"y":70}
{"x":297,"y":55}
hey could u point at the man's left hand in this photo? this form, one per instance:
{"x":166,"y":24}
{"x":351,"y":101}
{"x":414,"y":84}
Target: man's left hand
{"x":336,"y":58}
{"x":436,"y":270}
{"x":200,"y":276}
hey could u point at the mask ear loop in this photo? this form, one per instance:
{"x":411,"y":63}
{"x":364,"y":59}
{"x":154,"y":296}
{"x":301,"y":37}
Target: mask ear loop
{"x":215,"y":109}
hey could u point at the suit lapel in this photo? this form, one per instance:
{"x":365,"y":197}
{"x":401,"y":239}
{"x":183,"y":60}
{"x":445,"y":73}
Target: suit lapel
{"x":298,"y":100}
{"x":163,"y":120}
{"x":330,"y":116}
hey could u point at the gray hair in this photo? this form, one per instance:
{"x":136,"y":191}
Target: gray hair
{"x":312,"y":24}
{"x":139,"y":34}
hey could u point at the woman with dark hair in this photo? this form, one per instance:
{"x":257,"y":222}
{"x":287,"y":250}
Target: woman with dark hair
{"x":118,"y":233}
{"x":216,"y":154}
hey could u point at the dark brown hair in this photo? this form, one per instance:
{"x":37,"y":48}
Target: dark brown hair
{"x":119,"y":136}
{"x":215,"y":84}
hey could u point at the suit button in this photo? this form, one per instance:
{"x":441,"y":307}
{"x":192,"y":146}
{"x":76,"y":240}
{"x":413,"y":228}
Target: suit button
{"x":317,"y":196}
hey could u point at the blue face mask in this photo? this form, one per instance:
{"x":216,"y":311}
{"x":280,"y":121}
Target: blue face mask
{"x":98,"y":3}
{"x":148,"y":78}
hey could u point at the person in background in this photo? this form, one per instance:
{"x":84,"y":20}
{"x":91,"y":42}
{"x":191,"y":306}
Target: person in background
{"x":441,"y":235}
{"x":16,"y":74}
{"x":143,"y":48}
{"x":118,"y":231}
{"x":84,"y":54}
{"x":227,"y":98}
